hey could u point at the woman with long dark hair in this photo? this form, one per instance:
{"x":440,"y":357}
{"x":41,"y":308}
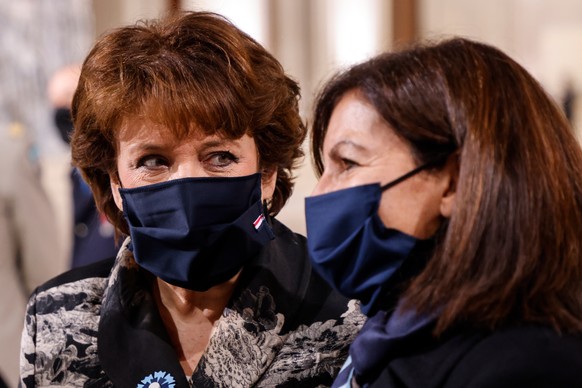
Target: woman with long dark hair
{"x":450,"y":204}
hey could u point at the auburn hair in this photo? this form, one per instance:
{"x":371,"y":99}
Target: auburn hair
{"x":194,"y":71}
{"x":511,"y":250}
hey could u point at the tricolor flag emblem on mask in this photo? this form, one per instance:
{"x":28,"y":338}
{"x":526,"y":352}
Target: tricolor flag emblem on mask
{"x":259,"y":221}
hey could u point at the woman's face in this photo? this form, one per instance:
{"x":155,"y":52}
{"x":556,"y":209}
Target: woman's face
{"x":361,"y":148}
{"x":148,"y":153}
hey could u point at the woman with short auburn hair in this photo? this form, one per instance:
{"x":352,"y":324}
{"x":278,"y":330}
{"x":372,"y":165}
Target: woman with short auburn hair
{"x":188,"y":132}
{"x":468,"y":258}
{"x":185,"y":74}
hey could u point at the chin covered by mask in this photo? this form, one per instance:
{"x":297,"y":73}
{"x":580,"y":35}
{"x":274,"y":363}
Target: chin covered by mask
{"x":351,"y":249}
{"x":196,"y":233}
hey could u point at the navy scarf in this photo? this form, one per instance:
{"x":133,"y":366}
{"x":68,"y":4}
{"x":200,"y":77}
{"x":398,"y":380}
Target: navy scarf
{"x":383,"y":338}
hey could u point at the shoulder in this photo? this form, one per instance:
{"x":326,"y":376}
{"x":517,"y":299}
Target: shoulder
{"x":61,"y":326}
{"x":296,"y":291}
{"x":521,"y":356}
{"x":287,"y":239}
{"x":77,"y":288}
{"x":68,"y":301}
{"x":289,"y":263}
{"x":284,"y":256}
{"x":99,"y":269}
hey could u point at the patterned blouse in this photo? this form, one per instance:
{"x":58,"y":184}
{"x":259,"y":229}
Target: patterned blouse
{"x":98,"y":326}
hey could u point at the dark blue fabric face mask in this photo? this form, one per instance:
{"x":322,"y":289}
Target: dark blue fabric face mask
{"x":196,"y":233}
{"x":351,"y":248}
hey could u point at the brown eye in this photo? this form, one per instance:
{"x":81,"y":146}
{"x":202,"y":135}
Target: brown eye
{"x":152,"y":162}
{"x":348,"y":164}
{"x":222,"y":159}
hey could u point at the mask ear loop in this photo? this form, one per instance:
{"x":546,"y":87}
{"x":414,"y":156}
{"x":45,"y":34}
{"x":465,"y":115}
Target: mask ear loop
{"x":411,"y":173}
{"x":119,"y":179}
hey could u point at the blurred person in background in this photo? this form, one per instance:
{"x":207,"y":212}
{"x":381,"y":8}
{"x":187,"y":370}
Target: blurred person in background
{"x":188,"y":133}
{"x":36,"y":38}
{"x":86,"y":234}
{"x":28,"y":240}
{"x":450,"y":204}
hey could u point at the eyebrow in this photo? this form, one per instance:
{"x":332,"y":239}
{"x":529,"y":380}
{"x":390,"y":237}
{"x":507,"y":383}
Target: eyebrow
{"x":147,"y":147}
{"x":152,"y":147}
{"x":345,"y":143}
{"x":216,"y":143}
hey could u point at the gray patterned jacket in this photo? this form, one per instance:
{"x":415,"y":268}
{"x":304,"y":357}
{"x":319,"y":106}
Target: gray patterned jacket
{"x":98,"y":326}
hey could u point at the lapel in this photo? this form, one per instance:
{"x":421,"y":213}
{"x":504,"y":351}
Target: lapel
{"x":133,"y":345}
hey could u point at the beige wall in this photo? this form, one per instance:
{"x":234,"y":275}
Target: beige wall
{"x":545,"y":36}
{"x":114,"y":13}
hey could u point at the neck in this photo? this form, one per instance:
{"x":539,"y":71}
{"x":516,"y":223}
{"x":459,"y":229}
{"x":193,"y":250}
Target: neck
{"x":180,"y":302}
{"x":189,"y":317}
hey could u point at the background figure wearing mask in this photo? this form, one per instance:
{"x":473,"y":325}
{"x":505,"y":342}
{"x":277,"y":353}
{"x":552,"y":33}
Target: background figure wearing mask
{"x":28,"y":240}
{"x":449,"y":203}
{"x":188,"y":131}
{"x":85,"y":234}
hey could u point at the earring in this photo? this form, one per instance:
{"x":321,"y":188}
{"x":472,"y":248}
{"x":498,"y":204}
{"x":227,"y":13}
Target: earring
{"x":266,"y":210}
{"x":265,"y":206}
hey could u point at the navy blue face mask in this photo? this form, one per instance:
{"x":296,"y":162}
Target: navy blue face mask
{"x":196,"y":233}
{"x":351,"y":248}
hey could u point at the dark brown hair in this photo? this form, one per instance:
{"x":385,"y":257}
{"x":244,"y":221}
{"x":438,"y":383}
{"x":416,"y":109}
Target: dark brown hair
{"x":192,"y":71}
{"x":511,"y":250}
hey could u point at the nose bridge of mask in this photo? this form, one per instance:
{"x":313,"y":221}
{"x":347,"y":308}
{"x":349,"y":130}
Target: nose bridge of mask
{"x":324,"y":213}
